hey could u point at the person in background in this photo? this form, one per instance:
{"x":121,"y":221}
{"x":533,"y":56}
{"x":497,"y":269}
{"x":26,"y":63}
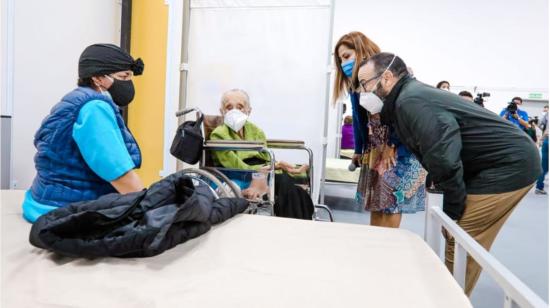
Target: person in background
{"x":544,"y":118}
{"x":539,"y":190}
{"x":444,"y":85}
{"x":84,"y":149}
{"x":466,"y":95}
{"x":538,"y":131}
{"x":532,"y":130}
{"x":391,"y":181}
{"x":515,"y":115}
{"x":481,"y":163}
{"x":348,"y":141}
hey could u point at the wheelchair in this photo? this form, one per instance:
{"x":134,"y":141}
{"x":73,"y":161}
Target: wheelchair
{"x":221,"y":181}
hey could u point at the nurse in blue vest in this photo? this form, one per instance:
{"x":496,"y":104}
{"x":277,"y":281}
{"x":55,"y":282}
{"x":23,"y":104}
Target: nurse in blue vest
{"x":84,"y":149}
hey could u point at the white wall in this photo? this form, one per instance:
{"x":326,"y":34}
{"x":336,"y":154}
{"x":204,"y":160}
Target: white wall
{"x":3,"y":15}
{"x":6,"y":39}
{"x":48,"y":39}
{"x":500,"y":46}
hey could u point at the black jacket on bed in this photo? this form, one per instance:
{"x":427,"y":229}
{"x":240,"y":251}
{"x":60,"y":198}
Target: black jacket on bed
{"x":139,"y":224}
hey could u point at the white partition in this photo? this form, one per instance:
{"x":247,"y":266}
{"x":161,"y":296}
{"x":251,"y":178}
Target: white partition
{"x":48,"y":39}
{"x":277,"y":52}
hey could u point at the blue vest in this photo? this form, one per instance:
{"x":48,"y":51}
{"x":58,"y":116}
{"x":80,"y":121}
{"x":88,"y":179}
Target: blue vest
{"x":62,"y":175}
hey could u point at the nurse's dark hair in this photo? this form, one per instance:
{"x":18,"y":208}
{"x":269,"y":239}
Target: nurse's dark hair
{"x":85,"y":82}
{"x":381,"y":62}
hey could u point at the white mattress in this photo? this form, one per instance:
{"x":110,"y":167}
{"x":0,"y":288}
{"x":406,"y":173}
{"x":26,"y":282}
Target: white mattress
{"x":337,"y":171}
{"x":248,"y":261}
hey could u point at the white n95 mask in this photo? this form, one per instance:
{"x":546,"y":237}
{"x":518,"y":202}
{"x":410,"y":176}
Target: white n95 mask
{"x":371,"y":102}
{"x":235,"y":119}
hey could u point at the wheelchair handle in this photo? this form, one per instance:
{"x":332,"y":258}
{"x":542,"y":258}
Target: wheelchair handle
{"x":185,"y":111}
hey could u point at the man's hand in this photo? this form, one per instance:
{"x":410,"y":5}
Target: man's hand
{"x":446,"y":234}
{"x":387,"y":159}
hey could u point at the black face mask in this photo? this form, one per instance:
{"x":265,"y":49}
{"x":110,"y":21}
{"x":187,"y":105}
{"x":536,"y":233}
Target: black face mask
{"x":122,"y":92}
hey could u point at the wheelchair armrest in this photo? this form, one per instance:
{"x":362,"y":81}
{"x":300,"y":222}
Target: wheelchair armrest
{"x":285,"y":144}
{"x":225,"y":145}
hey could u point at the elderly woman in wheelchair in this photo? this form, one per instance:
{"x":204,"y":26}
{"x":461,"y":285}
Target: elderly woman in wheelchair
{"x":291,"y":200}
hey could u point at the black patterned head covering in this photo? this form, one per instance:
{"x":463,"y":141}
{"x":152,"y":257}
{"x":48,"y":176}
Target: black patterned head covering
{"x":103,"y":59}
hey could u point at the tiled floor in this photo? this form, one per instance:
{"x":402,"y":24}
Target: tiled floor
{"x":521,"y":246}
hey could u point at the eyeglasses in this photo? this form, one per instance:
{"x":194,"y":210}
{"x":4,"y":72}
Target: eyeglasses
{"x":366,"y":82}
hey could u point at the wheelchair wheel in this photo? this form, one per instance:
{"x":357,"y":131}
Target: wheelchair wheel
{"x":236,"y":191}
{"x":205,"y":177}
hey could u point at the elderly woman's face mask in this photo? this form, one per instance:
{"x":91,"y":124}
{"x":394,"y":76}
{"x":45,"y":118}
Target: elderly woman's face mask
{"x":235,"y":113}
{"x":235,"y":119}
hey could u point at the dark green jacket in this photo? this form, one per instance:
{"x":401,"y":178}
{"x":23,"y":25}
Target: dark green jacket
{"x":466,"y":149}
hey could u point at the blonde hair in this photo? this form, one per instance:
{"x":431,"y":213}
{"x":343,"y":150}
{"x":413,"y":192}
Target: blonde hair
{"x":239,"y":91}
{"x":364,"y":48}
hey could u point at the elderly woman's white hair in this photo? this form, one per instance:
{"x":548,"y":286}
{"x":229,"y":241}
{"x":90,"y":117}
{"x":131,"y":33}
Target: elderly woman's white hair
{"x":239,"y":91}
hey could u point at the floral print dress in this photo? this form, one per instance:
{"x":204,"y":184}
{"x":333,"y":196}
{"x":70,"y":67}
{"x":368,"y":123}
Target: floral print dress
{"x":399,"y":189}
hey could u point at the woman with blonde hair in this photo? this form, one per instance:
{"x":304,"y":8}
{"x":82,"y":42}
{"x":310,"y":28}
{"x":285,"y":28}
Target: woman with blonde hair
{"x":391,"y":180}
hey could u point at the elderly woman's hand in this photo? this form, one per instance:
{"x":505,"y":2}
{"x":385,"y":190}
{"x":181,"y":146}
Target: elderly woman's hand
{"x":281,"y":165}
{"x":290,"y":168}
{"x":258,"y":187}
{"x":298,"y":170}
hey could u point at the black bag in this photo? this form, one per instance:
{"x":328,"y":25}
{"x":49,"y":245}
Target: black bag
{"x":188,"y":141}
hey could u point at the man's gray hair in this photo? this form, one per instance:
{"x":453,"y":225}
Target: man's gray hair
{"x":240,"y":91}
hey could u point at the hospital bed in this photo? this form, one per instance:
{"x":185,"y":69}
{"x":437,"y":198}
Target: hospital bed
{"x":336,"y":171}
{"x":339,"y":184}
{"x":248,"y":261}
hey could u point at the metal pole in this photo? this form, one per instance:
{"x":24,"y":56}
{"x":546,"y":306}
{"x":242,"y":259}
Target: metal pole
{"x":184,"y":66}
{"x":125,"y":37}
{"x":327,"y":104}
{"x":339,"y":118}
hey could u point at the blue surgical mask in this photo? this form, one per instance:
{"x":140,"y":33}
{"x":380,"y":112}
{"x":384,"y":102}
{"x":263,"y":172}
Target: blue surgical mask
{"x":348,"y":68}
